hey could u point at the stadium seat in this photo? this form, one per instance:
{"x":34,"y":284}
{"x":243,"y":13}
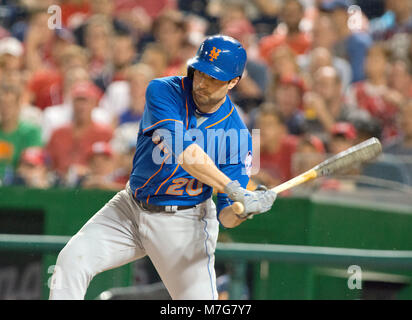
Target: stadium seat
{"x":389,"y":167}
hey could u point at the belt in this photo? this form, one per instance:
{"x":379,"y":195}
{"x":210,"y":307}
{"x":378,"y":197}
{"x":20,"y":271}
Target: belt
{"x":156,"y":208}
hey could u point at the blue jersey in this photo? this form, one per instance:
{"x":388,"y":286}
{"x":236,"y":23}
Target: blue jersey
{"x":170,"y":113}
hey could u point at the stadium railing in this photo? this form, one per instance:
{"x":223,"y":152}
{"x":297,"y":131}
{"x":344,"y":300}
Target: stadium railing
{"x":239,"y":254}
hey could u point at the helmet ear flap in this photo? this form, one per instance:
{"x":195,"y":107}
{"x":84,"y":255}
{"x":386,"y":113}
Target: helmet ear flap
{"x":190,"y":72}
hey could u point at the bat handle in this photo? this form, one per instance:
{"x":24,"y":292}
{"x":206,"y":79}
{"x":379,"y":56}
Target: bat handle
{"x":238,"y":207}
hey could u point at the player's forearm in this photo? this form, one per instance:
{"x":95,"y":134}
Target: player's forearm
{"x":229,"y":219}
{"x":199,"y":165}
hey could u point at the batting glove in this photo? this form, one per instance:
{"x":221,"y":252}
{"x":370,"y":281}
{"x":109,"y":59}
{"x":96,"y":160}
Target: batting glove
{"x":254,"y":202}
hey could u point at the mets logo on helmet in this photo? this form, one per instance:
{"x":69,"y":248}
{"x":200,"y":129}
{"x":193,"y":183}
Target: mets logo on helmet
{"x":214,"y":54}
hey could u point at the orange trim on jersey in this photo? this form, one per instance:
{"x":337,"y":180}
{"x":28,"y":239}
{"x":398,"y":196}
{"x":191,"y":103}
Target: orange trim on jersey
{"x":161,"y":121}
{"x":161,"y":166}
{"x":166,"y":180}
{"x":187,"y":116}
{"x":221,"y":119}
{"x":177,"y":183}
{"x":199,"y":188}
{"x":187,"y":111}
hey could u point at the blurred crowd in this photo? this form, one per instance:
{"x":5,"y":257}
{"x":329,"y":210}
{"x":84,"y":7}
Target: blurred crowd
{"x":322,"y":75}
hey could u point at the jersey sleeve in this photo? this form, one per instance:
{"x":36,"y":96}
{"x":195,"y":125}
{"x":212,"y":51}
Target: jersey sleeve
{"x":239,"y":171}
{"x":163,"y":116}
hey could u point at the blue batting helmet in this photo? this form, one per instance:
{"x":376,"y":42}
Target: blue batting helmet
{"x":220,"y":57}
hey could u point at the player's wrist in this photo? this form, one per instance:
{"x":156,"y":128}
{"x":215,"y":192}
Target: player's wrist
{"x":233,"y":190}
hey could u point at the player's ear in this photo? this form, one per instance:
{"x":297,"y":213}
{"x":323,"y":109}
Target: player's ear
{"x":233,"y":82}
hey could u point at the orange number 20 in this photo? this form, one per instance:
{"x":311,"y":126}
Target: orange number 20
{"x":178,"y":184}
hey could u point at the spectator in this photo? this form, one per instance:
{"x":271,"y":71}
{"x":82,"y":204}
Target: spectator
{"x":402,"y":145}
{"x":288,"y":32}
{"x":324,"y":34}
{"x":33,"y":170}
{"x":310,"y":151}
{"x":400,"y":16}
{"x":276,"y":147}
{"x":37,"y":40}
{"x":396,"y":34}
{"x":289,"y":99}
{"x":99,"y":43}
{"x":400,"y":78}
{"x":384,"y":21}
{"x":187,"y":51}
{"x":268,"y":15}
{"x":232,"y":11}
{"x":170,"y":31}
{"x":124,"y":55}
{"x":318,"y":58}
{"x":351,"y":45}
{"x":104,"y":8}
{"x":283,"y":63}
{"x":138,"y":77}
{"x":15,"y":135}
{"x":22,"y":13}
{"x":28,"y":112}
{"x":61,"y":114}
{"x":69,"y":144}
{"x":124,"y":147}
{"x":151,"y":8}
{"x":366,"y":127}
{"x":138,"y":15}
{"x":156,"y":57}
{"x":11,"y":55}
{"x":342,"y":136}
{"x":374,"y":95}
{"x":325,"y":105}
{"x":250,"y":91}
{"x":101,"y":165}
{"x":125,"y":100}
{"x":74,"y":12}
{"x":62,"y":39}
{"x":46,"y":86}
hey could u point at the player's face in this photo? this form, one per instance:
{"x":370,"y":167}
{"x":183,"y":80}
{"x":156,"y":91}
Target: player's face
{"x":209,"y":93}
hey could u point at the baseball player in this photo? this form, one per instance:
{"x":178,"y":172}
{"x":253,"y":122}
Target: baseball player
{"x":166,"y":210}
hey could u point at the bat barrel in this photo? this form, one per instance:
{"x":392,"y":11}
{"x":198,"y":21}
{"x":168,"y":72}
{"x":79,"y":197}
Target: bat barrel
{"x":364,"y":151}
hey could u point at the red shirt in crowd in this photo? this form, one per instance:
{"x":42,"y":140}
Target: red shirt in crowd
{"x":66,"y":149}
{"x":368,"y":99}
{"x":279,"y":163}
{"x":299,"y":43}
{"x":152,"y":8}
{"x":47,"y":88}
{"x":72,"y":9}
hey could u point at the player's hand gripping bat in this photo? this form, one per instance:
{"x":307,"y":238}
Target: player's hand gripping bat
{"x":357,"y":154}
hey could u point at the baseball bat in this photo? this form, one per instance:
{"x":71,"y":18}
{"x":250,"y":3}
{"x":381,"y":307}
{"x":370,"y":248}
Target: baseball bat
{"x":364,"y":151}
